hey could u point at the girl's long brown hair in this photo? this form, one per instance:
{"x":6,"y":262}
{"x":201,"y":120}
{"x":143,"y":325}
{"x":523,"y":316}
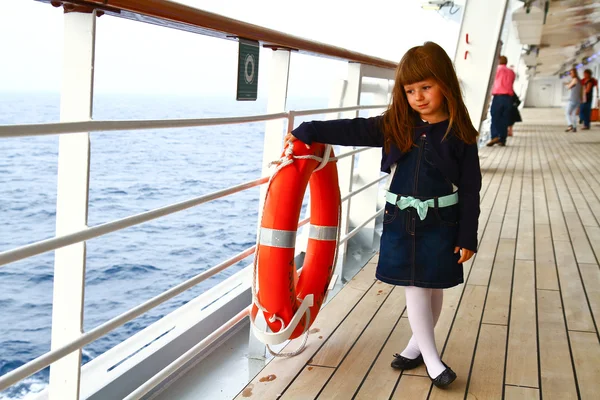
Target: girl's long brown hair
{"x":418,"y":64}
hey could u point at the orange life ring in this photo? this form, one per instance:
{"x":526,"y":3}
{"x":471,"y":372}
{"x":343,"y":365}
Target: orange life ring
{"x":280,"y":291}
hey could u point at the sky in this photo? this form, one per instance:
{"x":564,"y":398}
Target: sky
{"x":134,"y":57}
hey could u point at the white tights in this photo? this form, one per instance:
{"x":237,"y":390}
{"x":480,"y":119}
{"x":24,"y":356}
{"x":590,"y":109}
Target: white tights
{"x":424,"y":307}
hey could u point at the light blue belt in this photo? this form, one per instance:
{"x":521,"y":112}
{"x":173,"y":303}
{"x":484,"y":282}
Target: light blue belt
{"x":421,"y":206}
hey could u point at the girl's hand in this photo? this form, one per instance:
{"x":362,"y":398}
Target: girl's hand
{"x":465,"y":254}
{"x":289,"y":137}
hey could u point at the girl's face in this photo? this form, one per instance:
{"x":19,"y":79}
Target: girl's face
{"x":426,"y":98}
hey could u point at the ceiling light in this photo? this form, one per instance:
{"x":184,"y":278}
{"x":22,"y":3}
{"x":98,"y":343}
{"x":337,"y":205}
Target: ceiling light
{"x":436,"y":5}
{"x":430,"y":6}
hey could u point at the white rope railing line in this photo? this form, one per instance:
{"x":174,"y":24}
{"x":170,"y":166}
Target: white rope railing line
{"x":301,"y":113}
{"x":352,"y":153}
{"x":125,"y":125}
{"x":306,"y":220}
{"x":50,"y":357}
{"x":189,"y":355}
{"x":133,"y":125}
{"x":358,"y":228}
{"x":44,"y":246}
{"x":364,"y":187}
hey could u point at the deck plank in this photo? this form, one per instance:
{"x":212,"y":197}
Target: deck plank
{"x":545,"y":263}
{"x":575,"y":303}
{"x":461,"y":343}
{"x":520,"y":393}
{"x":482,"y":266}
{"x":557,"y":222}
{"x":586,"y":355}
{"x":382,"y":378}
{"x":492,"y":175}
{"x":498,"y":298}
{"x":488,"y":369}
{"x":591,"y":278}
{"x":308,"y":384}
{"x":579,"y":239}
{"x":341,"y":341}
{"x":522,"y":360}
{"x":539,"y":194}
{"x":411,"y":388}
{"x":358,"y":361}
{"x":525,"y":240}
{"x":594,"y":235}
{"x":558,"y":381}
{"x":511,"y":216}
{"x":588,"y":170}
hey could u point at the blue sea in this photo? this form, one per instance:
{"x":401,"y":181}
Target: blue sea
{"x":130,"y":172}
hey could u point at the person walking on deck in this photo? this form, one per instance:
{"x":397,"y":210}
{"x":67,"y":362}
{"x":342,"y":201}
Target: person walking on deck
{"x":429,"y":146}
{"x":574,"y":88}
{"x":502,"y":106}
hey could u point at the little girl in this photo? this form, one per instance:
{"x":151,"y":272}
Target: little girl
{"x":430,"y":221}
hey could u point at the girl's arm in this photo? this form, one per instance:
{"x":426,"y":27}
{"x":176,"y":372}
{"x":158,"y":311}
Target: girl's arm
{"x":469,"y":186}
{"x":347,"y":132}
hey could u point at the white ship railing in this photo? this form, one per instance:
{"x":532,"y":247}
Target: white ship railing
{"x":73,"y":173}
{"x":43,"y":246}
{"x":136,"y":125}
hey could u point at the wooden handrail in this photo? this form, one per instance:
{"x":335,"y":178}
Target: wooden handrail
{"x":179,"y":16}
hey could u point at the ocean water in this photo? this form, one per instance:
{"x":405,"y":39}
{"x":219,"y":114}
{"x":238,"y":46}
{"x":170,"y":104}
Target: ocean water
{"x":130,"y":172}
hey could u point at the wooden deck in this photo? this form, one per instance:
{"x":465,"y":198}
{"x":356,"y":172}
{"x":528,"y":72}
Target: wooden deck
{"x":525,"y":323}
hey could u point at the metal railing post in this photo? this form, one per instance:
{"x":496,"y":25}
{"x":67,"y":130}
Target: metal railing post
{"x":276,"y":102}
{"x":346,"y":166}
{"x":72,"y":200}
{"x":364,"y":204}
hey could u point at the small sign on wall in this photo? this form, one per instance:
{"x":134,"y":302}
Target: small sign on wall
{"x":247,"y":83}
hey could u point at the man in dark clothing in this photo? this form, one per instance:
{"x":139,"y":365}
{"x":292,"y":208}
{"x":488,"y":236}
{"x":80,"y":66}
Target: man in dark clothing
{"x":502,"y":102}
{"x":586,"y":105}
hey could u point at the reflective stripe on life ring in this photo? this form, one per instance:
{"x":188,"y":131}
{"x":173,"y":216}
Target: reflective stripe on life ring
{"x":280,"y":290}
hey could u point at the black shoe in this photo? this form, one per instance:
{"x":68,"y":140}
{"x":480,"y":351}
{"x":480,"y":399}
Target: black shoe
{"x":406,"y":363}
{"x":444,"y":379}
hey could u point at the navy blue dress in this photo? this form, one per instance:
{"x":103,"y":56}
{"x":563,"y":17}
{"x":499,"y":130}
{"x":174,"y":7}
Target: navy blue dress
{"x":417,"y":252}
